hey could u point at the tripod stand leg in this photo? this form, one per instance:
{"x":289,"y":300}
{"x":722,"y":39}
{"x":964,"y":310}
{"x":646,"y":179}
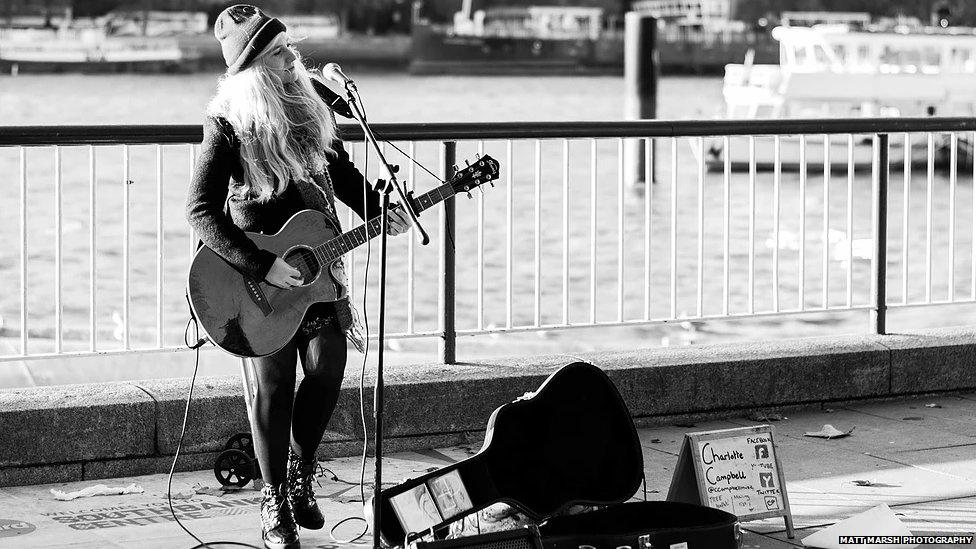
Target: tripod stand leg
{"x":247,"y":379}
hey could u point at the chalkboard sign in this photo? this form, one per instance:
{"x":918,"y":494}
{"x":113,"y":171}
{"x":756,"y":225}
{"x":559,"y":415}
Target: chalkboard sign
{"x":735,"y":470}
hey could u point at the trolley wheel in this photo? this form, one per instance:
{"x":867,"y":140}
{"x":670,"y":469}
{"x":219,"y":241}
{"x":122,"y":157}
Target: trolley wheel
{"x":234,"y":467}
{"x":241,"y":441}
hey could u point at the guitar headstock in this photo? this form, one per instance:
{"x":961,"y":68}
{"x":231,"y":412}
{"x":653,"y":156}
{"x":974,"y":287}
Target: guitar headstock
{"x":484,"y":170}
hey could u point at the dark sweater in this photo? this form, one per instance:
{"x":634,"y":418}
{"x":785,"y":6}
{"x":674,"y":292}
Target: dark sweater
{"x":219,"y":172}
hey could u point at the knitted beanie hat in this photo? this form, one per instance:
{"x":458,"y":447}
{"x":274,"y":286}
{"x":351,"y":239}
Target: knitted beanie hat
{"x":244,"y":31}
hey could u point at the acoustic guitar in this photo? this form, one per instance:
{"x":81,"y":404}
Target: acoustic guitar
{"x":571,"y":442}
{"x":251,"y":318}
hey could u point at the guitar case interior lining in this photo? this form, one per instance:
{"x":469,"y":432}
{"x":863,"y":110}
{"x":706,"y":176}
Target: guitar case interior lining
{"x":644,"y":525}
{"x":526,"y":537}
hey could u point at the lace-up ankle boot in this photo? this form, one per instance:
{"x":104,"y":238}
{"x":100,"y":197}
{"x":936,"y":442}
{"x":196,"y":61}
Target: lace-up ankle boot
{"x":278,"y":528}
{"x":300,"y":495}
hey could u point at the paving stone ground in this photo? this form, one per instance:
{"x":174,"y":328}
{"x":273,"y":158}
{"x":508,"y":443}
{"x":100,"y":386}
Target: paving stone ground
{"x":920,"y":459}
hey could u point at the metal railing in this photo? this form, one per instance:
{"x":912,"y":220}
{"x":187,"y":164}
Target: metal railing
{"x":113,"y":274}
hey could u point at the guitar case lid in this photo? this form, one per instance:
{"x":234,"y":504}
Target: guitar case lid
{"x":644,"y":525}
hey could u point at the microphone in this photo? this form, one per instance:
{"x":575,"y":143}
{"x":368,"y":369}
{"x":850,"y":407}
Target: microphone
{"x":332,"y":72}
{"x":332,"y":99}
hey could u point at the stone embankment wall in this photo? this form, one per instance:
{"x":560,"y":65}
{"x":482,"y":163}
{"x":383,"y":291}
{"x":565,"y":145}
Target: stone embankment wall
{"x":79,"y":432}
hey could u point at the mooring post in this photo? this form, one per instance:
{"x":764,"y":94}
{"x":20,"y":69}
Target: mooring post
{"x":879,"y":221}
{"x":641,"y":68}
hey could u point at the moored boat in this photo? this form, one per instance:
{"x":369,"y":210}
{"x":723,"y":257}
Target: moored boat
{"x":517,"y":39}
{"x":830,"y":71}
{"x":107,"y":43}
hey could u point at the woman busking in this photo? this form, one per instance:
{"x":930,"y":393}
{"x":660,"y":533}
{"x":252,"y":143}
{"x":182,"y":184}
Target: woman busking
{"x":270,"y":149}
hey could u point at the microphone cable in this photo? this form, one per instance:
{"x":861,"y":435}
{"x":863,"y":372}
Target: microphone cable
{"x":362,"y":372}
{"x":195,"y":347}
{"x":362,"y":408}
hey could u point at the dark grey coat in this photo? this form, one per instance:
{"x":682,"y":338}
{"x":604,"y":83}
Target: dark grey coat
{"x":216,"y":182}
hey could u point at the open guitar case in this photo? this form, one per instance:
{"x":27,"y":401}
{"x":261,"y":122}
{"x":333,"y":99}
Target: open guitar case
{"x":572,"y":442}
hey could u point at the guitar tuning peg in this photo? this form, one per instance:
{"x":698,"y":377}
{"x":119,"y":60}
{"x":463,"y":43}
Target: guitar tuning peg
{"x":466,"y":163}
{"x":469,"y":194}
{"x":455,"y":168}
{"x":492,"y":183}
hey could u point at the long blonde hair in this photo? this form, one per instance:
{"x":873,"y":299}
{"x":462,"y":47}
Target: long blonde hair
{"x":283,"y":129}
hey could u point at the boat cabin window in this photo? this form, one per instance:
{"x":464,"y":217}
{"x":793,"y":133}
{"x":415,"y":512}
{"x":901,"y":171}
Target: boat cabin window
{"x":962,"y":59}
{"x":809,"y":57}
{"x":820,"y":56}
{"x":895,"y":59}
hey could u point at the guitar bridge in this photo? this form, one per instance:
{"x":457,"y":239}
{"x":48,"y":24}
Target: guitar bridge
{"x":257,"y":295}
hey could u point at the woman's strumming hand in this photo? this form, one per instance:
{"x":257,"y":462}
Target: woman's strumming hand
{"x":399,"y":221}
{"x":283,"y":275}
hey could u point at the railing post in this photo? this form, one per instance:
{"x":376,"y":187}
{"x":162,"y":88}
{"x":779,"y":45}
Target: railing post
{"x":879,"y":224}
{"x":448,"y":342}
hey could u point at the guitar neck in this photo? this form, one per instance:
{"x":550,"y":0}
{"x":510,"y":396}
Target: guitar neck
{"x":350,"y":240}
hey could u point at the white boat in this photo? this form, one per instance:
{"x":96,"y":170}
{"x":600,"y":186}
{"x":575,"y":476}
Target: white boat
{"x":840,"y":71}
{"x":83,"y":45}
{"x":154,"y":23}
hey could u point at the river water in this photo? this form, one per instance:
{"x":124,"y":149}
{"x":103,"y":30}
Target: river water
{"x":396,"y":97}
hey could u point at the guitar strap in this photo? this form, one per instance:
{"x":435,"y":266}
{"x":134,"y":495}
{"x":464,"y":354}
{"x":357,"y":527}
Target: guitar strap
{"x":331,"y":215}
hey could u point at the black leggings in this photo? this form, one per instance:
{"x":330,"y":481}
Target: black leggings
{"x":276,"y":407}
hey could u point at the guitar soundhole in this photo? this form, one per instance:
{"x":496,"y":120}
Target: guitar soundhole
{"x":305,"y":261}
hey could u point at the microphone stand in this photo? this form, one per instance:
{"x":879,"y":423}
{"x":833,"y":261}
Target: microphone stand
{"x":385,"y":187}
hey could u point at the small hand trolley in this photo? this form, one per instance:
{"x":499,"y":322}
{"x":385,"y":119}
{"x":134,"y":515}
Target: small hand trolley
{"x":237,"y":465}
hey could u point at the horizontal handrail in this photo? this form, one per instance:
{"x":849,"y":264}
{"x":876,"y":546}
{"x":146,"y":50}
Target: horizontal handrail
{"x":733,"y":212}
{"x":176,"y":134}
